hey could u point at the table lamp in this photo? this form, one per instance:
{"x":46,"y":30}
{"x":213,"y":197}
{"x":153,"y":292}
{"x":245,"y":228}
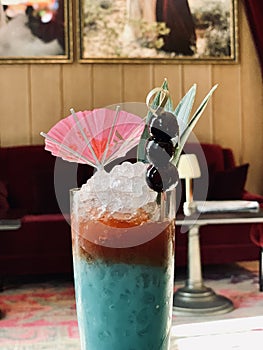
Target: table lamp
{"x":195,"y":298}
{"x":188,"y":169}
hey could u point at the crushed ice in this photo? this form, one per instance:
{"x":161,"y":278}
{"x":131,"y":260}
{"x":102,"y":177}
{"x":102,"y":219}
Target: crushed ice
{"x":122,"y":190}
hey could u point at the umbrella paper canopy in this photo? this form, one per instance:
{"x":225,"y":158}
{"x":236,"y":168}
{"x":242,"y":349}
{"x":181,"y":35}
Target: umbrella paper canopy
{"x":94,"y":137}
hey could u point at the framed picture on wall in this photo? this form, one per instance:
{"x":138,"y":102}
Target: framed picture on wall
{"x":131,"y":31}
{"x":36,"y":31}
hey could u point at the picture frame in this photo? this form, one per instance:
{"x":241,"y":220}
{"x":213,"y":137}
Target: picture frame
{"x":35,"y":31}
{"x":144,"y":31}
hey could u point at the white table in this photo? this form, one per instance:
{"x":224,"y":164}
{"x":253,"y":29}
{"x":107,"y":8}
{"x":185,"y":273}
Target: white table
{"x":9,"y":224}
{"x":195,"y":297}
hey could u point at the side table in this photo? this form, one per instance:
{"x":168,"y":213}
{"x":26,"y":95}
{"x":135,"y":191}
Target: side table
{"x":195,"y":297}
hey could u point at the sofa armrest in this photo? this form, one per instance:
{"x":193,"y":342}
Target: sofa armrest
{"x":248,"y":196}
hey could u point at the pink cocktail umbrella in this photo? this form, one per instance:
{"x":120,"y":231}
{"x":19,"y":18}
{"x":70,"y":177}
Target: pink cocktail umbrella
{"x":94,"y":137}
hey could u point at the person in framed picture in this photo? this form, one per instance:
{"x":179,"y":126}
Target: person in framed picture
{"x":181,"y":39}
{"x":176,"y":14}
{"x":51,"y":29}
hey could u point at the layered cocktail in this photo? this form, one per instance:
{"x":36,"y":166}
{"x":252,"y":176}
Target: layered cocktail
{"x":123,"y":266}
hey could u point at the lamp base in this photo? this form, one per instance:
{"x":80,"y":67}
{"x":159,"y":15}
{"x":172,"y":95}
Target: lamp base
{"x":202,"y":301}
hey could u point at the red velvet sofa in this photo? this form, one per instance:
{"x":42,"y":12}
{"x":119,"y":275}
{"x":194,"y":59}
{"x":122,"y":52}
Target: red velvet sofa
{"x":42,"y":245}
{"x":221,"y":179}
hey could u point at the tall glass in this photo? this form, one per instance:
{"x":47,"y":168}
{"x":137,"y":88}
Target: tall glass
{"x":124,"y":274}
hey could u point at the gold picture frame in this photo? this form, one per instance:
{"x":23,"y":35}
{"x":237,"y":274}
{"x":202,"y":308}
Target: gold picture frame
{"x":142,"y":31}
{"x":35,"y":31}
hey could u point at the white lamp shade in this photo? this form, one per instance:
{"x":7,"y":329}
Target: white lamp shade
{"x":188,"y":167}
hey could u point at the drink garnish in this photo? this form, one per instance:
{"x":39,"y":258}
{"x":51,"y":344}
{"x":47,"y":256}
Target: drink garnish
{"x":100,"y":136}
{"x":94,"y":137}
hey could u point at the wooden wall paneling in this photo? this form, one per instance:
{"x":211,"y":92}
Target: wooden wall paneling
{"x":107,"y":85}
{"x":252,"y":109}
{"x":15,"y":116}
{"x":173,"y":73}
{"x":227,"y":123}
{"x":200,"y":74}
{"x":46,"y":98}
{"x":77,"y":87}
{"x":137,"y":82}
{"x":35,"y":96}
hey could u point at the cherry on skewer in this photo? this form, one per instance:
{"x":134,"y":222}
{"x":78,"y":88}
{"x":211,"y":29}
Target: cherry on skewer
{"x":163,"y":126}
{"x":159,"y":153}
{"x":163,"y":178}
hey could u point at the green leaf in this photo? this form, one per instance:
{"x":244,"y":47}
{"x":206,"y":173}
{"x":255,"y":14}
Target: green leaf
{"x":184,"y":108}
{"x":141,"y":156}
{"x":191,"y":125}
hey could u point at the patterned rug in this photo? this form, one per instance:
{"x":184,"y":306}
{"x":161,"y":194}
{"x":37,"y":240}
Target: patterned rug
{"x":235,"y":330}
{"x":41,"y":315}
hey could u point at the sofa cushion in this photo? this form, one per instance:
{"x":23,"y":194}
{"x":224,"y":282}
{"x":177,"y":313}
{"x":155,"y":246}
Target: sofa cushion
{"x":208,"y":155}
{"x":22,"y":164}
{"x":229,"y":159}
{"x":214,"y":157}
{"x":229,"y":184}
{"x":43,"y":187}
